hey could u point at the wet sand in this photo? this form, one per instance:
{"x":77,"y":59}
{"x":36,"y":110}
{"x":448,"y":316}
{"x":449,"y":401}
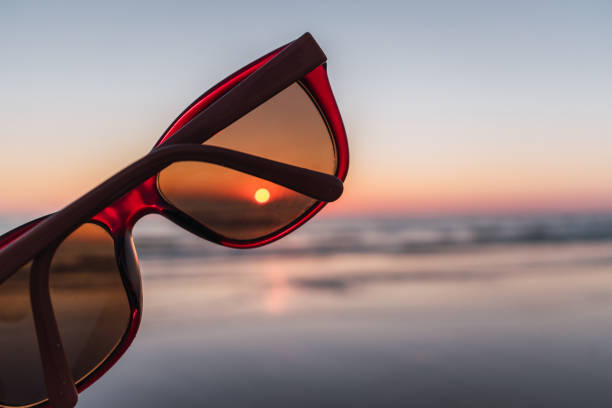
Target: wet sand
{"x":501,"y":325}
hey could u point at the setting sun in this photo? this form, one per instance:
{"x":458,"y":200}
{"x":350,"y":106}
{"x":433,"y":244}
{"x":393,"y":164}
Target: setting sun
{"x":262,"y":196}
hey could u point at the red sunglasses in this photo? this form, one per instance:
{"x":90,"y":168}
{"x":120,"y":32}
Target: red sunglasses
{"x":248,"y":162}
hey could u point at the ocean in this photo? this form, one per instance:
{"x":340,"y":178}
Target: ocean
{"x":470,"y":311}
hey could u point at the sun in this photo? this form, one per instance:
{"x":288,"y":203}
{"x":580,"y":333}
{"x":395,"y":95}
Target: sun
{"x":262,"y":196}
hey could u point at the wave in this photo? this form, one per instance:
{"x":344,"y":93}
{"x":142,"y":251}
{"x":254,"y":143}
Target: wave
{"x":389,"y":235}
{"x":157,"y":238}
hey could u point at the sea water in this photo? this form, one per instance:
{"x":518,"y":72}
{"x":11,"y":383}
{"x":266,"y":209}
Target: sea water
{"x":501,"y":311}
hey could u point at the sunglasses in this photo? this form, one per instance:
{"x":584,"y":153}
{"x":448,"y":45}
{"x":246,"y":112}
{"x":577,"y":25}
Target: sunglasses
{"x":249,"y":161}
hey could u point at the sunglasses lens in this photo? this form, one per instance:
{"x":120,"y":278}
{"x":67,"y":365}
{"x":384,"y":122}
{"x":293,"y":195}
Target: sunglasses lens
{"x":91,"y":309}
{"x":89,"y":299}
{"x":21,"y":375}
{"x":288,"y":128}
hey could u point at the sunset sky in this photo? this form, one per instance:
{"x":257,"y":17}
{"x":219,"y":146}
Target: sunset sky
{"x":449,"y":106}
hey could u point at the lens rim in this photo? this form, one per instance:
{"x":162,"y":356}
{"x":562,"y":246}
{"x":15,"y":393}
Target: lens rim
{"x":316,"y":86}
{"x":129,"y":270}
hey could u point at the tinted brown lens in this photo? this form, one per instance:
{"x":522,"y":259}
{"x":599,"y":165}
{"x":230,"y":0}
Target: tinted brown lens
{"x":231,"y":203}
{"x":21,"y":375}
{"x":89,"y":299}
{"x":91,"y":309}
{"x":287,"y":128}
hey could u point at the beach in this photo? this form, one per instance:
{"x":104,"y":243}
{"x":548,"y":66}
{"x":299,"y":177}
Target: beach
{"x":468,"y":311}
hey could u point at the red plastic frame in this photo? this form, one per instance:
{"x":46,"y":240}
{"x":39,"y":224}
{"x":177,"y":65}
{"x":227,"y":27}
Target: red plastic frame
{"x":120,"y":217}
{"x":146,"y":199}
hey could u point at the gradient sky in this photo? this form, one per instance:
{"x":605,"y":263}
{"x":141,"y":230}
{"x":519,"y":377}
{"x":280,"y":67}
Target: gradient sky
{"x":449,"y":106}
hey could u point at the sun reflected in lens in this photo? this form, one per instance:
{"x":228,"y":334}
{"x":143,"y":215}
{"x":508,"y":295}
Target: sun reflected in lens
{"x":262,"y":196}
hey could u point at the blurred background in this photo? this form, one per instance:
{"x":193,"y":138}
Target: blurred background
{"x":469,"y":262}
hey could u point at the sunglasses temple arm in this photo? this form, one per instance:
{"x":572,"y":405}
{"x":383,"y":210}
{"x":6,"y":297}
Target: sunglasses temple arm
{"x":61,"y":390}
{"x":321,"y":186}
{"x":292,"y":63}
